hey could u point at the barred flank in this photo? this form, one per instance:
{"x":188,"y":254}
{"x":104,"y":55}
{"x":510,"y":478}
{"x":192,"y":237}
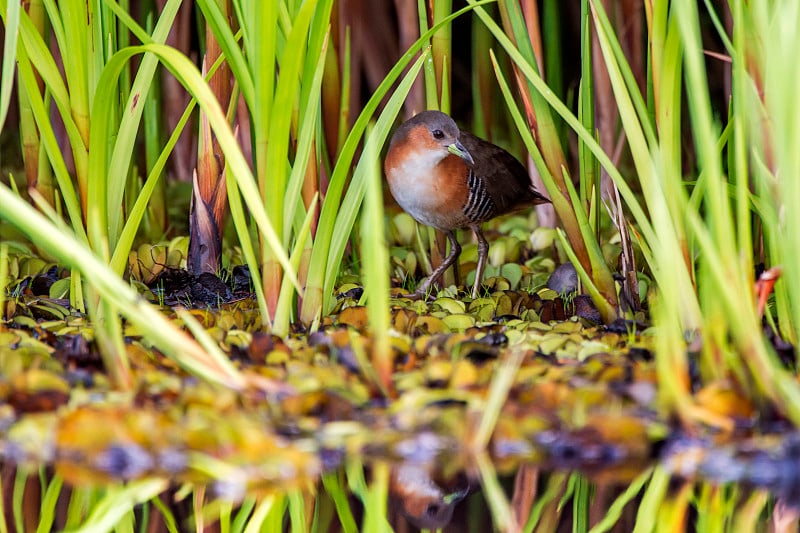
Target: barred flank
{"x":479,"y":206}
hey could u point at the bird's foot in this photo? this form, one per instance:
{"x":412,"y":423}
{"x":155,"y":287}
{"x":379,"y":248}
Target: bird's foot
{"x":412,"y":296}
{"x":423,"y":291}
{"x":417,"y":295}
{"x":476,"y":290}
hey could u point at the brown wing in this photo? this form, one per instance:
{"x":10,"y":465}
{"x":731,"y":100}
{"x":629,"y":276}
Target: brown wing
{"x":506,"y":179}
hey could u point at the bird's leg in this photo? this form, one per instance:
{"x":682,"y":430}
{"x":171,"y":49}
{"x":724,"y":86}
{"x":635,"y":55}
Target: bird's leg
{"x":483,"y":253}
{"x":455,"y":251}
{"x":453,"y":245}
{"x":456,"y":274}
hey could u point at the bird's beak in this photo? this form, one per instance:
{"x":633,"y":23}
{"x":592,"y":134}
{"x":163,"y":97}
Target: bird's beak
{"x":458,"y":149}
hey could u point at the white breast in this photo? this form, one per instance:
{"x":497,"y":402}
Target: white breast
{"x":416,"y":190}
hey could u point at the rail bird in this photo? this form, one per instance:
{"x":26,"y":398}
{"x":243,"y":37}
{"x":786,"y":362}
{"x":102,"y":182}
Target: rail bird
{"x":450,"y":179}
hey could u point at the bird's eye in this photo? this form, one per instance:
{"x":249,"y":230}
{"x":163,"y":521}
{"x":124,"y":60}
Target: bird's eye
{"x":438,"y":134}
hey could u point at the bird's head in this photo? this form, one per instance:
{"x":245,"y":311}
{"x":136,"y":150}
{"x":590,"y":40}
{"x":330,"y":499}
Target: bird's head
{"x":434,"y":133}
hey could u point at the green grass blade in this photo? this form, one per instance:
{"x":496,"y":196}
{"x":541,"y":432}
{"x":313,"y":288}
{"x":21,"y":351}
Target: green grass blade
{"x":221,"y":28}
{"x":501,"y":384}
{"x":259,"y":517}
{"x":376,"y":280}
{"x":50,"y":143}
{"x":48,"y":506}
{"x":115,"y":172}
{"x":614,"y":512}
{"x":624,"y":74}
{"x":283,"y":312}
{"x":11,"y":33}
{"x":248,"y":250}
{"x":338,"y":493}
{"x":119,"y":502}
{"x":355,"y":192}
{"x":652,"y":500}
{"x":297,"y":515}
{"x":169,"y":521}
{"x":375,"y":498}
{"x":308,"y":120}
{"x":502,"y":514}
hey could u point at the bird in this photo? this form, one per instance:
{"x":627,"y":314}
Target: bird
{"x":450,"y":179}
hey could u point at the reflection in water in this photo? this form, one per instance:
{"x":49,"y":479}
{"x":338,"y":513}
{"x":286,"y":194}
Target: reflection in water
{"x":236,"y":457}
{"x":424,"y":502}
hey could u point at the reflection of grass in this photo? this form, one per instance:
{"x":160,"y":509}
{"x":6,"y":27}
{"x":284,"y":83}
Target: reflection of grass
{"x":348,"y":499}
